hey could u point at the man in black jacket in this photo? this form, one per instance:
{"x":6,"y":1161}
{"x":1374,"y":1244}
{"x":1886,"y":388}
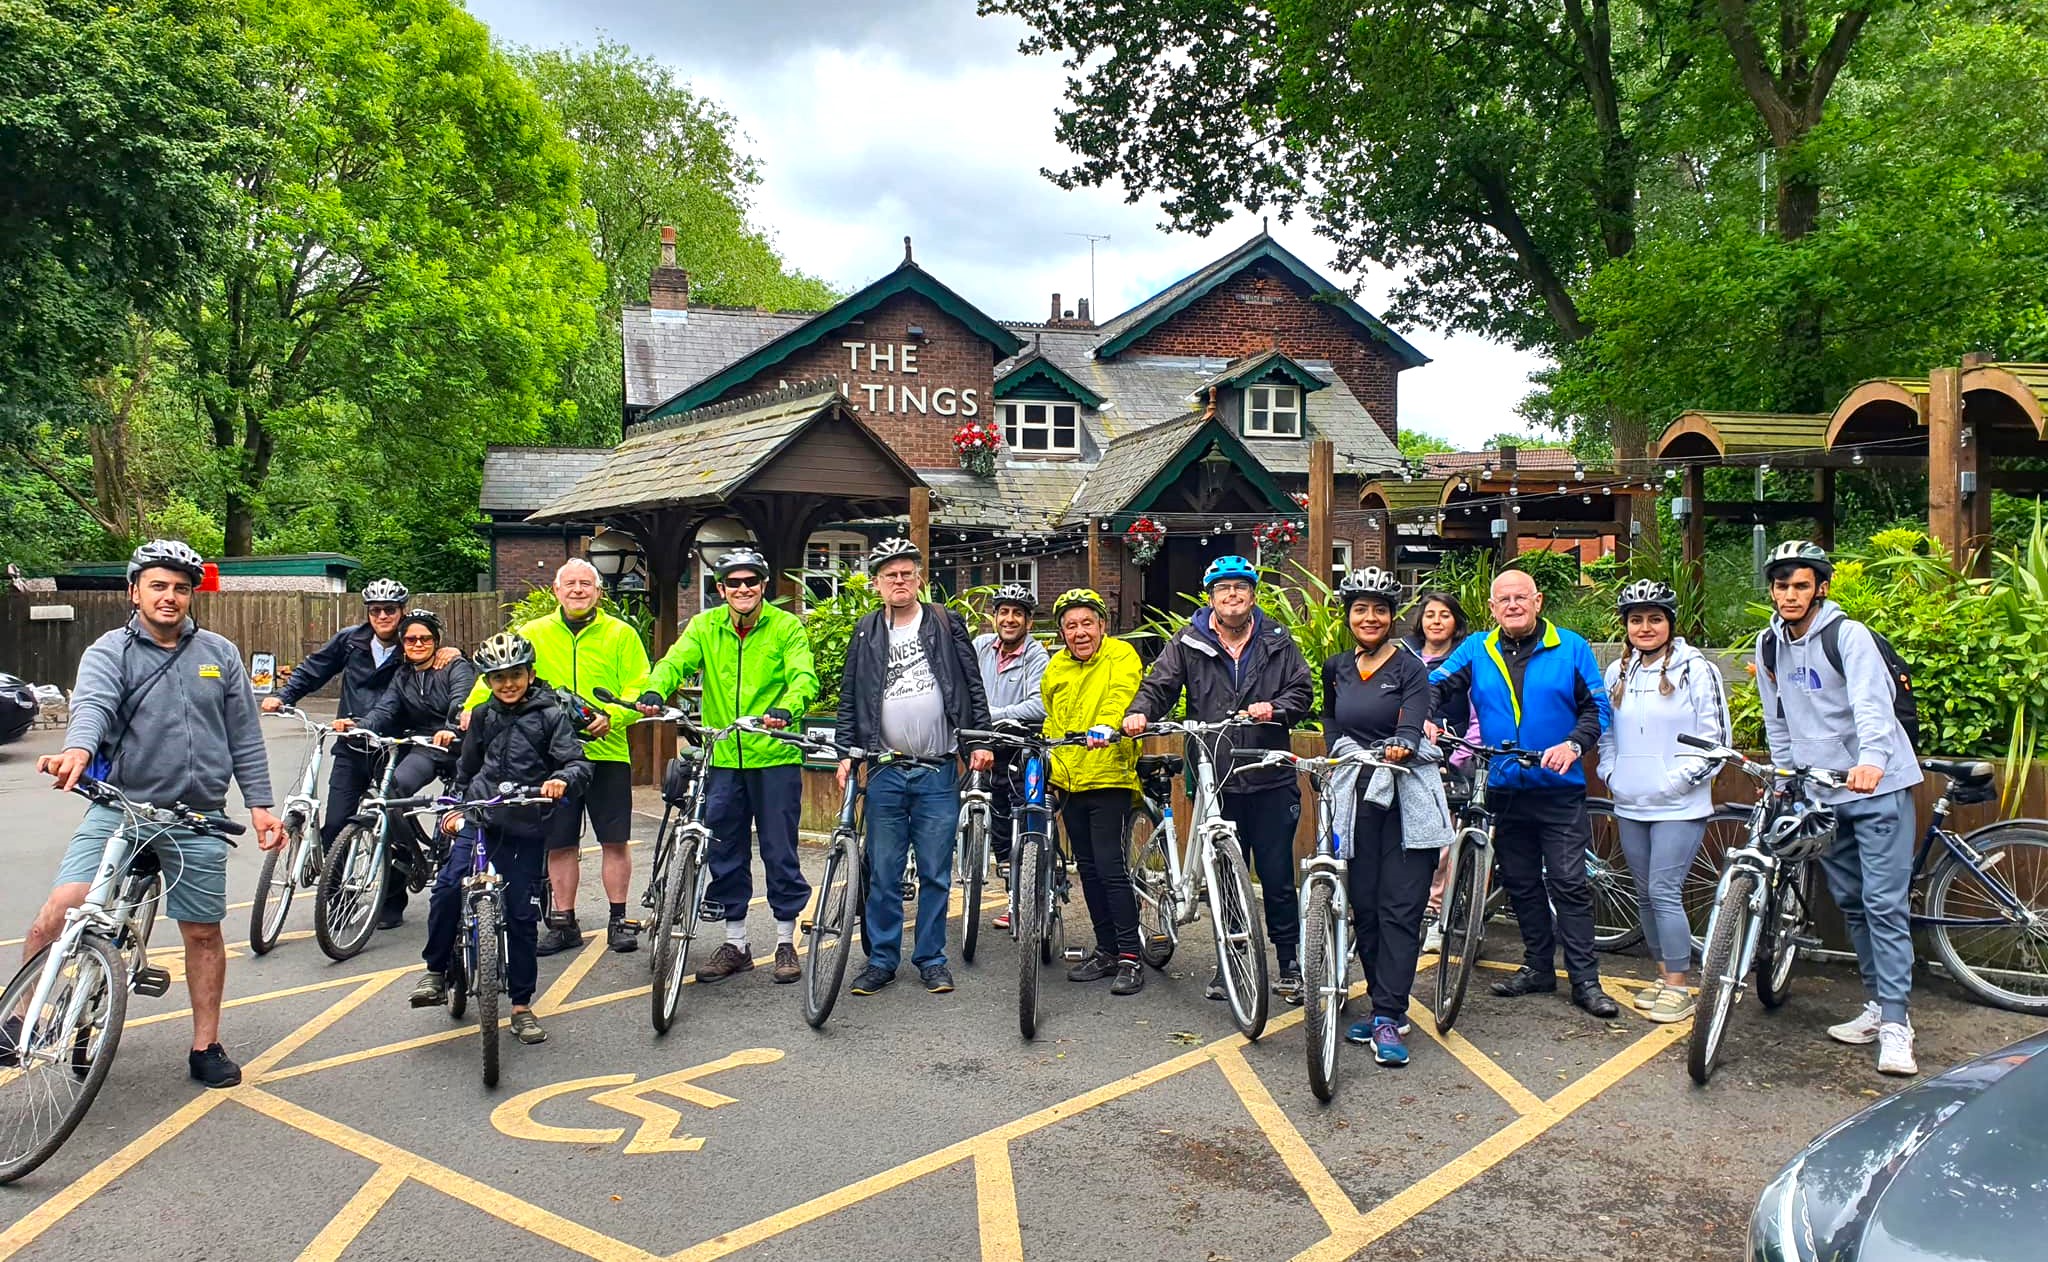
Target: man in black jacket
{"x":912,"y":683}
{"x":1233,"y":659}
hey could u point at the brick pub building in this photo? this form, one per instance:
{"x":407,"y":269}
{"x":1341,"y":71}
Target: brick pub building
{"x":1196,"y":409}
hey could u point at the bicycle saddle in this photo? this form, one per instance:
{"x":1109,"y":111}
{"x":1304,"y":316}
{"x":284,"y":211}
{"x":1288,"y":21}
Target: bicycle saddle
{"x":1970,"y":782}
{"x":1152,"y":765}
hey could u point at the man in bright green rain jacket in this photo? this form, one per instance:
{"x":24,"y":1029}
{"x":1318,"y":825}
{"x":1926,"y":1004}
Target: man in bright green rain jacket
{"x":581,"y":648}
{"x":755,"y":660}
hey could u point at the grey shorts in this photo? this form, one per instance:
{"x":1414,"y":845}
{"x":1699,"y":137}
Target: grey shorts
{"x":195,"y":865}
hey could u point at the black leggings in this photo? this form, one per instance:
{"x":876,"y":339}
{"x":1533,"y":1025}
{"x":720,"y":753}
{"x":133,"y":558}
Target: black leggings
{"x":1094,"y":820}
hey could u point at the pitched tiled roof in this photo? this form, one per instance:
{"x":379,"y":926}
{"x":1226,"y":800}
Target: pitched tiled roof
{"x":518,"y":480}
{"x":1526,"y":458}
{"x":1028,"y":497}
{"x":1251,"y":369}
{"x":1131,"y":462}
{"x":668,"y":350}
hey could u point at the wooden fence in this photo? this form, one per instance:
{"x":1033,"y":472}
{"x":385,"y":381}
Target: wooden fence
{"x":287,"y":624}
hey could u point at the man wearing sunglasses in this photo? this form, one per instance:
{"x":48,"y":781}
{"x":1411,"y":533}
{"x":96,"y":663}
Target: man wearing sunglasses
{"x":755,"y":661}
{"x":366,"y":657}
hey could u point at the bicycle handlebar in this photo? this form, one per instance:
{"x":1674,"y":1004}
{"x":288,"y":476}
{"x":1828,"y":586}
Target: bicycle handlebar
{"x":1763,"y":771}
{"x":1195,"y":727}
{"x":100,"y":793}
{"x":1027,"y":740}
{"x":1527,"y":757}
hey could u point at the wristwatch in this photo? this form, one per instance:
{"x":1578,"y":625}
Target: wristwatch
{"x":1578,"y":750}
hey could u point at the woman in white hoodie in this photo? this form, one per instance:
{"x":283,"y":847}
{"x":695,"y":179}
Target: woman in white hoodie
{"x":1661,"y":687}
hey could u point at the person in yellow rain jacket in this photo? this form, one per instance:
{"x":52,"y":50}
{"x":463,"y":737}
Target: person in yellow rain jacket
{"x":1088,"y":687}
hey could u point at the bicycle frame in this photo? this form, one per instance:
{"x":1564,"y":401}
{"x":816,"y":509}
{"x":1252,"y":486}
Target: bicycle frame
{"x":975,"y":800}
{"x":1188,"y":882}
{"x":304,"y":802}
{"x":2015,"y":911}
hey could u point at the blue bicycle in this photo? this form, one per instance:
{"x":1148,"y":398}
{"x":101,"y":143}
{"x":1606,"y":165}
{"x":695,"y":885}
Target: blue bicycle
{"x":478,"y":965}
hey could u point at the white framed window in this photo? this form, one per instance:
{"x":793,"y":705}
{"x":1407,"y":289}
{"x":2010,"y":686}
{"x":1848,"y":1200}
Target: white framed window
{"x":825,"y":555}
{"x":1042,"y":428}
{"x":1272,"y":411}
{"x":1340,"y":558}
{"x":1024,"y":572}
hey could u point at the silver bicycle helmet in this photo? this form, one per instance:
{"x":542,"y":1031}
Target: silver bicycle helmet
{"x":1370,"y":583}
{"x":166,"y":554}
{"x":741,"y":559}
{"x":385,"y":591}
{"x":896,"y":549}
{"x":504,"y":651}
{"x":1014,"y":594}
{"x":1807,"y":835}
{"x":1647,"y":591}
{"x":1797,"y":552}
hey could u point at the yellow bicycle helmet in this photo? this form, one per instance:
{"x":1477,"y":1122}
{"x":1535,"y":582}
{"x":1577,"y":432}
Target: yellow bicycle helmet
{"x":1077,"y":598}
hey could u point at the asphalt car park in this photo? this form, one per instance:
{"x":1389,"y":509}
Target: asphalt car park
{"x":914,"y":1125}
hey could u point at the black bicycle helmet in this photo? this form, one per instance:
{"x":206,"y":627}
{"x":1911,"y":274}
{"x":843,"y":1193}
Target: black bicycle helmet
{"x":1646,"y":591}
{"x":1794,"y":553}
{"x":385,"y":591}
{"x":1370,"y":583}
{"x":1014,"y":594}
{"x":1808,"y":835}
{"x":504,"y":651}
{"x":741,"y":559}
{"x":425,"y":617}
{"x":897,"y":549}
{"x":166,"y":554}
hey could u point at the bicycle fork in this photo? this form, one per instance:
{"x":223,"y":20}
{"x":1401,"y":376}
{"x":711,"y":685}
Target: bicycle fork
{"x":1759,"y":897}
{"x":1328,"y":870}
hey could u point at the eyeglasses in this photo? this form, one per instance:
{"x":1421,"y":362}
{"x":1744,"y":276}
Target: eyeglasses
{"x":1510,"y":601}
{"x":1228,"y":588}
{"x":419,"y":639}
{"x":910,"y":577}
{"x":385,"y":611}
{"x":740,"y":582}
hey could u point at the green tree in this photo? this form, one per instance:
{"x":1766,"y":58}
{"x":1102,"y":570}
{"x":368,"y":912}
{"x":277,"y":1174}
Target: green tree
{"x":1416,"y":444}
{"x":656,"y":154}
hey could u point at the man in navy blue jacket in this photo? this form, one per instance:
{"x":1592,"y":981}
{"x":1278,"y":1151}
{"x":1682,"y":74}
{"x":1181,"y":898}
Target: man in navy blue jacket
{"x":1536,"y":685}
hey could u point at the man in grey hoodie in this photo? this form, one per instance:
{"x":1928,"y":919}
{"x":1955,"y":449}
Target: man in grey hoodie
{"x":1834,"y":710}
{"x":1012,"y":666}
{"x":168,"y":707}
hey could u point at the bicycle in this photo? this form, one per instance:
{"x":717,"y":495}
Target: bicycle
{"x":1763,"y":906}
{"x":971,"y":856}
{"x":842,"y":891}
{"x":71,"y":999}
{"x":296,"y":865}
{"x":477,"y":968}
{"x":1325,"y":915}
{"x":680,"y":881}
{"x":351,"y":890}
{"x":2018,"y":848}
{"x":1039,"y":882}
{"x":1171,"y":893}
{"x":1470,"y":899}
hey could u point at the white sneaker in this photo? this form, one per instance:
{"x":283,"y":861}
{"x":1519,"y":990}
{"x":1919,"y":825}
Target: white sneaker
{"x":1859,"y":1029}
{"x":1646,"y":998}
{"x":1895,"y":1050}
{"x":1433,"y":940}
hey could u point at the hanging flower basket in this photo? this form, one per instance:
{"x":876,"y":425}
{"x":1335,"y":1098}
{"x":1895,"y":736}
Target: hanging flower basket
{"x":976,"y":442}
{"x":1142,"y":541}
{"x":1274,"y":539}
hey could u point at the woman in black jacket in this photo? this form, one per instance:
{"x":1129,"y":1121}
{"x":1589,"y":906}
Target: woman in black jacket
{"x":1378,"y":694}
{"x":424,"y":698}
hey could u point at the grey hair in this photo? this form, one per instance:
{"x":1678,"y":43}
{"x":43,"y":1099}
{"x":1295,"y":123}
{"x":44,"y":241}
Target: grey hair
{"x":578,"y":563}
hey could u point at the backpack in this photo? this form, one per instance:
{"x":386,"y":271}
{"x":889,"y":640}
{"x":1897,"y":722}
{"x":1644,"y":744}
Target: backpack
{"x":1905,"y":706}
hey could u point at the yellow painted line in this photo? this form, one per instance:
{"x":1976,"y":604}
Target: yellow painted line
{"x":500,"y":1205}
{"x":1483,"y":1067}
{"x":247,"y":1000}
{"x":1621,"y":1065}
{"x":389,"y":1049}
{"x":1301,"y":1161}
{"x":33,"y":1224}
{"x":578,"y":969}
{"x":995,"y":1195}
{"x":256,"y":1069}
{"x":515,"y":1116}
{"x":342,"y":1229}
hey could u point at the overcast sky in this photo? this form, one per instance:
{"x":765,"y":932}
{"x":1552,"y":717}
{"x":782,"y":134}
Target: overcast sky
{"x":917,"y":118}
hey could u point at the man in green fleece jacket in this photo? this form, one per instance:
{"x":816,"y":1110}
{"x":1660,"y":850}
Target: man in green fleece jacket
{"x":755,"y":661}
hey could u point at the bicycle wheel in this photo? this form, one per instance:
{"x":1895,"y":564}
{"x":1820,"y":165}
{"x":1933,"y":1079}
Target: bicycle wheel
{"x":345,"y":906}
{"x":1464,"y":926}
{"x":1031,"y":917}
{"x":1323,"y":970}
{"x":458,"y":986}
{"x":275,"y":887}
{"x":1727,"y":829}
{"x":1151,"y":883}
{"x":974,"y":854}
{"x":674,"y":928}
{"x":824,"y":963}
{"x":2003,"y":964}
{"x":655,"y":897}
{"x":1719,"y":983}
{"x":1777,"y":943}
{"x":72,"y":1039}
{"x":490,"y":983}
{"x":1617,"y":915}
{"x":1240,"y":940}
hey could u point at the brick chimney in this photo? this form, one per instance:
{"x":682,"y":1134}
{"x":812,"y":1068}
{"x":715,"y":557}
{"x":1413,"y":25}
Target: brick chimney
{"x":669,"y":288}
{"x":1081,"y":304}
{"x":1054,"y":318}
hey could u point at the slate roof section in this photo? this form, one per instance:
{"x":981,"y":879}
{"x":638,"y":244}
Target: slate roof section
{"x":518,"y":480}
{"x":1130,"y":463}
{"x":1252,"y":369}
{"x":1025,"y":497}
{"x":1551,"y":459}
{"x":669,"y":350}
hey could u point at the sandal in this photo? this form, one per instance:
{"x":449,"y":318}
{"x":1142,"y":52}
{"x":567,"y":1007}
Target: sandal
{"x":526,"y":1027}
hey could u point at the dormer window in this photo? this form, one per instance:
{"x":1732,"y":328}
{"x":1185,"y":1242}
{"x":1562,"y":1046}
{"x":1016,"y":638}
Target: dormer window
{"x":1272,"y":412}
{"x":1035,"y":429}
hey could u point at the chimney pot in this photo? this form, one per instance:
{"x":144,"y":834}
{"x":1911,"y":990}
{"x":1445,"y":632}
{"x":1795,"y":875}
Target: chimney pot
{"x":1055,"y":317}
{"x":668,"y":246}
{"x":1977,"y":359}
{"x":668,"y":289}
{"x":1083,"y":303}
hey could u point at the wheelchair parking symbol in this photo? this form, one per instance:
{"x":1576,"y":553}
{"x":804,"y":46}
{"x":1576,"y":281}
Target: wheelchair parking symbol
{"x":625,"y":1093}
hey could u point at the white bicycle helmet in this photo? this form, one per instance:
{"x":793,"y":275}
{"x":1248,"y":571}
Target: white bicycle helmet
{"x":1370,"y":583}
{"x":1797,"y":552}
{"x":1014,"y":594}
{"x":167,"y":554}
{"x":385,"y":591}
{"x":896,"y":549}
{"x":1646,"y":591}
{"x":504,"y":651}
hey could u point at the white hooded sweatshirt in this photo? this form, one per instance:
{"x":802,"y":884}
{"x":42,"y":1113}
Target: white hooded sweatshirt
{"x":1650,"y":775}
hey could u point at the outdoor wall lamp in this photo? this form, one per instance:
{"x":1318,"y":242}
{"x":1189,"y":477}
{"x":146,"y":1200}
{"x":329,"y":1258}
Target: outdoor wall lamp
{"x":915,"y":333}
{"x":612,"y":553}
{"x":1681,"y":507}
{"x":1966,"y":482}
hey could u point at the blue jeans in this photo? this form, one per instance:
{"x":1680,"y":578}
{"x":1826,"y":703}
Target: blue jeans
{"x":1660,"y":853}
{"x":910,"y":805}
{"x":518,"y":857}
{"x":1870,"y":873}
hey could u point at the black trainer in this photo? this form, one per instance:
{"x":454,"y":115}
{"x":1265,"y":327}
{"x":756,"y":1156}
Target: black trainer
{"x":432,"y":990}
{"x":1525,"y":981}
{"x":213,"y":1067}
{"x":1214,"y":990}
{"x":622,"y":935}
{"x":871,"y":981}
{"x":559,"y":933}
{"x":936,"y":978}
{"x":1093,"y":969}
{"x":1130,"y":976}
{"x":1599,"y":1003}
{"x":10,"y":1041}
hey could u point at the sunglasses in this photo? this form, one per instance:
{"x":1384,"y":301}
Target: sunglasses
{"x":419,"y":639}
{"x":740,"y":582}
{"x":385,"y":611}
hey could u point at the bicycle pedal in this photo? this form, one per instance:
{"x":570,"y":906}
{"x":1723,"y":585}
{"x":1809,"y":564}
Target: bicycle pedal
{"x":709,"y":911}
{"x":1807,"y":941}
{"x":1073,"y":954}
{"x":150,"y":980}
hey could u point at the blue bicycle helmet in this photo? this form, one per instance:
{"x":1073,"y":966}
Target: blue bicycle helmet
{"x":1227,"y":568}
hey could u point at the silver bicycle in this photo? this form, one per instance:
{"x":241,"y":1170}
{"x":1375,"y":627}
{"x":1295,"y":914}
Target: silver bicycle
{"x":1171,"y":892}
{"x":64,"y":1010}
{"x":351,"y":889}
{"x":971,"y":857}
{"x":298,"y":863}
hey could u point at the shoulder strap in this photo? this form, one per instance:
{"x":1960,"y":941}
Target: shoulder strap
{"x":125,"y":712}
{"x":1831,"y":645}
{"x":1767,"y":651}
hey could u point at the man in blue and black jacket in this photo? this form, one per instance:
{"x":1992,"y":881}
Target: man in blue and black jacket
{"x":1536,"y":685}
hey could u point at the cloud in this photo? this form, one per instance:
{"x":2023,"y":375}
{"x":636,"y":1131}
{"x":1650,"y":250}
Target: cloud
{"x":876,"y":122}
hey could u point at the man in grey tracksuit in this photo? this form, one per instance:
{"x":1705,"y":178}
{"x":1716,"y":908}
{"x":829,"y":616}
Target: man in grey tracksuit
{"x":1012,"y":666}
{"x":1834,"y":710}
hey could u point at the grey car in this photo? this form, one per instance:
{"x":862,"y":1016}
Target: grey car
{"x":18,"y":707}
{"x":1954,"y":1168}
